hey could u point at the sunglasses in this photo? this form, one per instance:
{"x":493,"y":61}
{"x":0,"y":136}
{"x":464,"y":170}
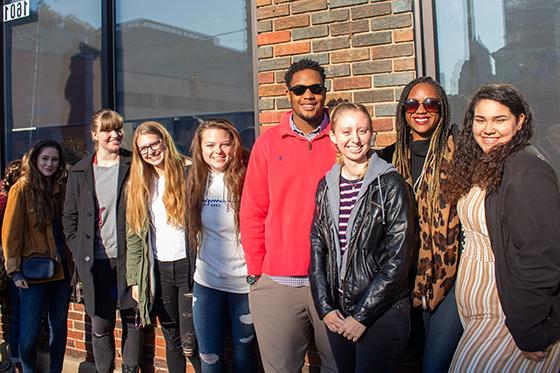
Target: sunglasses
{"x":299,"y":89}
{"x":430,"y":105}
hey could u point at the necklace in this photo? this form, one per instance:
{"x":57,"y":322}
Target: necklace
{"x":351,"y":177}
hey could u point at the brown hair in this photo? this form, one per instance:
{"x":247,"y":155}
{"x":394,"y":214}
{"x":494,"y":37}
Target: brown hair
{"x":142,"y":175}
{"x":11,"y":174}
{"x":106,"y":120}
{"x":471,"y":166}
{"x":40,"y":188}
{"x":234,"y":175}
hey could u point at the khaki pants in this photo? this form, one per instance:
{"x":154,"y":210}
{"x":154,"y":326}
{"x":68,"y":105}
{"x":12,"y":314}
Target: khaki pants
{"x":285,"y":318}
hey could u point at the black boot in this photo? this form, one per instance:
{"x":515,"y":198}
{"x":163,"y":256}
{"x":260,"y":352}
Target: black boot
{"x":129,"y":369}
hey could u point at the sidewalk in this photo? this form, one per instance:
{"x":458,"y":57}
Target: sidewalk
{"x":71,"y":365}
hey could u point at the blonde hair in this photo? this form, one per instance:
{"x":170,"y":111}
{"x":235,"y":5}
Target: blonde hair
{"x":142,"y":175}
{"x":342,"y":107}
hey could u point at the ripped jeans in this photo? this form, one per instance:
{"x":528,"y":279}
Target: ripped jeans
{"x":215,"y":310}
{"x":173,"y":307}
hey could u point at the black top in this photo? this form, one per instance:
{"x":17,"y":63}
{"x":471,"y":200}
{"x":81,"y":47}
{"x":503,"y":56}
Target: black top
{"x":523,"y":216}
{"x":418,"y":151}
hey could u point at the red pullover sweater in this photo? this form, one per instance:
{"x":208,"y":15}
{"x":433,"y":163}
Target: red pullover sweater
{"x":279,"y":199}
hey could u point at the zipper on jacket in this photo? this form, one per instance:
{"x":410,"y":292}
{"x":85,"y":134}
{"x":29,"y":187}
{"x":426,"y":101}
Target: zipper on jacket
{"x":309,"y":145}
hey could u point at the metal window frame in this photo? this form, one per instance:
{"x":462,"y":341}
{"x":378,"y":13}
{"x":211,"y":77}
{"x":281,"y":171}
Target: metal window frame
{"x":425,"y":38}
{"x":253,"y":16}
{"x":2,"y":97}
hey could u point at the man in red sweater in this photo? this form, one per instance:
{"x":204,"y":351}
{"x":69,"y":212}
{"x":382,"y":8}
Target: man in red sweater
{"x":277,"y":207}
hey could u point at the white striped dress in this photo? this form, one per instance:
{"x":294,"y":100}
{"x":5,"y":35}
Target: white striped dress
{"x":486,"y":344}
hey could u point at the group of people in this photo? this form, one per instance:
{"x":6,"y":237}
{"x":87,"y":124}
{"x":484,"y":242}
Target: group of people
{"x":450,"y":235}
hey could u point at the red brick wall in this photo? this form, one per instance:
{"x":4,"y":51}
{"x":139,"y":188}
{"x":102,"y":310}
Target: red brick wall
{"x":366,"y":48}
{"x":78,"y":345}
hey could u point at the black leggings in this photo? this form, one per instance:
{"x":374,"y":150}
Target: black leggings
{"x":382,"y":346}
{"x":103,"y":323}
{"x":173,"y":307}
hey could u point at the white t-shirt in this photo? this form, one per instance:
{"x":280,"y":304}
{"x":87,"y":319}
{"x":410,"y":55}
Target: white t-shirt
{"x":168,"y":242}
{"x":220,"y":263}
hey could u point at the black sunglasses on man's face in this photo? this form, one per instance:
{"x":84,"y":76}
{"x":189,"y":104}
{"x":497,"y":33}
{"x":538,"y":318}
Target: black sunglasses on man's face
{"x":300,"y":89}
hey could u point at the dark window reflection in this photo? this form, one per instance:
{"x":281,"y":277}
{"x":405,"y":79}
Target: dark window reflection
{"x":512,"y":41}
{"x":180,"y":62}
{"x":52,"y":75}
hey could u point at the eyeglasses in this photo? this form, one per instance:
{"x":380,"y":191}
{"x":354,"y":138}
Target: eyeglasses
{"x":154,"y":147}
{"x":430,"y":105}
{"x":299,"y":89}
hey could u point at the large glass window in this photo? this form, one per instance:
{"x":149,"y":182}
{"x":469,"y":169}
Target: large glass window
{"x":512,"y":41}
{"x":179,"y":62}
{"x":52,"y":75}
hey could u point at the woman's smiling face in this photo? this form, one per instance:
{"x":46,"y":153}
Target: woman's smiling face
{"x":422,"y":122}
{"x":494,"y":124}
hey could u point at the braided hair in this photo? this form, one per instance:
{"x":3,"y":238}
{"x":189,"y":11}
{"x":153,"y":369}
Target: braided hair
{"x":438,"y":144}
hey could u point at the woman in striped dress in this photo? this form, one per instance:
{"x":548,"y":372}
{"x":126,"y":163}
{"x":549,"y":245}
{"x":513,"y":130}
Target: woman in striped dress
{"x":509,"y":204}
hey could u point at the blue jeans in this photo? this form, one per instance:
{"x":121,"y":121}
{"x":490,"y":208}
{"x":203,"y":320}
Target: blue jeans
{"x":212,"y":311}
{"x":55,"y":296}
{"x":13,"y":337}
{"x":443,"y":331}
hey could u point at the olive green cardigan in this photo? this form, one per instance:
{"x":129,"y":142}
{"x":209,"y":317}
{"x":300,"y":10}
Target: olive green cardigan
{"x":140,"y":268}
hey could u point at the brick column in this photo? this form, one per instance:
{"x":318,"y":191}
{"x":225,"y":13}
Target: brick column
{"x":366,"y":48}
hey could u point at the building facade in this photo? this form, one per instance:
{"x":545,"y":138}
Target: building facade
{"x":179,"y":62}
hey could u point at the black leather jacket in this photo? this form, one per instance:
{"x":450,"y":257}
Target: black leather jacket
{"x":380,"y":243}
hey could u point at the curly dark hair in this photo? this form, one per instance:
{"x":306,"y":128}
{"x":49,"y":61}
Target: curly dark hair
{"x":304,"y":64}
{"x":11,"y":174}
{"x":438,"y":143}
{"x":471,"y":166}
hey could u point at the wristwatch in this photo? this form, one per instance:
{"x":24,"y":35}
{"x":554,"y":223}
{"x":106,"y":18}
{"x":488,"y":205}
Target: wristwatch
{"x":252,"y":279}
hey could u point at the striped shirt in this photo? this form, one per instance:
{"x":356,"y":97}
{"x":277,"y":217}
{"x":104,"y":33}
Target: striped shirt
{"x":349,"y":190}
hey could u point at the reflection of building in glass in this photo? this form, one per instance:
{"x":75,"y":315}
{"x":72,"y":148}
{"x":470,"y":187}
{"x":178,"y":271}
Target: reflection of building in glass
{"x":54,"y":51}
{"x":165,"y":70}
{"x":54,"y":80}
{"x":531,"y":57}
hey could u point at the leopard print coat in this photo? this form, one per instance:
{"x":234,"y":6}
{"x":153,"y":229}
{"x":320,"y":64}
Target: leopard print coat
{"x":439,"y":242}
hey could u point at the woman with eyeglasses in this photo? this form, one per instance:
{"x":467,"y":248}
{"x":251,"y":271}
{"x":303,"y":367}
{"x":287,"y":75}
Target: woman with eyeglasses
{"x":422,"y":154}
{"x":509,"y":204}
{"x":36,"y":254}
{"x":221,"y":291}
{"x":160,"y":262}
{"x":94,"y":224}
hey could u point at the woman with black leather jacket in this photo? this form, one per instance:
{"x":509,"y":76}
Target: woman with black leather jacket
{"x":362,"y":239}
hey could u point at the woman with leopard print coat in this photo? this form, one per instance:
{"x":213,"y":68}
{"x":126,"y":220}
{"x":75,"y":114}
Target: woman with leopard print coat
{"x":422,"y":154}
